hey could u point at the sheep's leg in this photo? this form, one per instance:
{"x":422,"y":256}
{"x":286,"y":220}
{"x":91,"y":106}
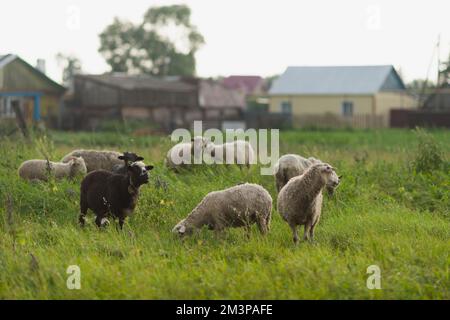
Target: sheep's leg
{"x":279,"y":185}
{"x":307,"y":231}
{"x":262,"y":225}
{"x":311,"y":231}
{"x":83,"y":212}
{"x":121,"y":222}
{"x":101,"y":220}
{"x":295,"y":233}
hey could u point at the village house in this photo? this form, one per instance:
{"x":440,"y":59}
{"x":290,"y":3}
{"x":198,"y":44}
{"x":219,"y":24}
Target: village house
{"x":22,"y":86}
{"x":359,"y":96}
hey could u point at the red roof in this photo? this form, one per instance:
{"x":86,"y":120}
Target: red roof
{"x":247,"y":84}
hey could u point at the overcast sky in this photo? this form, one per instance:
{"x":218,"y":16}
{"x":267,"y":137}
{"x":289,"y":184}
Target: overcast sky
{"x":260,"y":37}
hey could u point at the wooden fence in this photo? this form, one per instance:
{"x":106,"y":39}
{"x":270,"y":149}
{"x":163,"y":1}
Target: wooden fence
{"x":403,"y":118}
{"x":337,"y":121}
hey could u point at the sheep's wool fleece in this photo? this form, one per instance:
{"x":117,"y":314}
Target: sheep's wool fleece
{"x":96,"y":159}
{"x":39,"y":170}
{"x":235,"y":202}
{"x":301,"y":197}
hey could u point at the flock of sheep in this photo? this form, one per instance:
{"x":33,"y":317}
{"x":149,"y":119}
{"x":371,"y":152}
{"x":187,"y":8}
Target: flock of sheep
{"x":112,"y":180}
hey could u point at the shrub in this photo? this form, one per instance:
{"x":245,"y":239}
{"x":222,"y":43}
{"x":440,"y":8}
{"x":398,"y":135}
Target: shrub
{"x":429,"y":156}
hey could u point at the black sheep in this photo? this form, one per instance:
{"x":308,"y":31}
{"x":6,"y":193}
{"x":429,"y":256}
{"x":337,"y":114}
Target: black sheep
{"x":107,"y":193}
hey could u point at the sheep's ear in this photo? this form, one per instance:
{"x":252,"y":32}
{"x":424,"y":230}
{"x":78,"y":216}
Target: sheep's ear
{"x":148,"y":168}
{"x":139,"y":158}
{"x":182,"y":229}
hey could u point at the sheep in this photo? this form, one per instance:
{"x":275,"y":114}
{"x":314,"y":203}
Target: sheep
{"x":292,"y":165}
{"x":238,"y":206}
{"x":42,"y":169}
{"x":128,"y":158}
{"x":242,"y":151}
{"x":182,"y":154}
{"x":111,"y":194}
{"x":96,"y":159}
{"x":300,"y":200}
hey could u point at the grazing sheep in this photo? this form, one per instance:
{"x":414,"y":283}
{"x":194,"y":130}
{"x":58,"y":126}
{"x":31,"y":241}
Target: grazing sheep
{"x":128,"y":158}
{"x":181,"y":155}
{"x":107,"y":193}
{"x":300,"y":200}
{"x":242,"y":151}
{"x":292,"y":165}
{"x":238,"y":206}
{"x":42,"y":169}
{"x":96,"y":159}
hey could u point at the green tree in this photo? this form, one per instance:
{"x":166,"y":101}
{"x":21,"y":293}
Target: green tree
{"x":164,"y":43}
{"x":71,"y":66}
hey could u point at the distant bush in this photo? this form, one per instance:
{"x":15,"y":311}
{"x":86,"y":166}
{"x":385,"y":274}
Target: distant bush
{"x":429,"y":156}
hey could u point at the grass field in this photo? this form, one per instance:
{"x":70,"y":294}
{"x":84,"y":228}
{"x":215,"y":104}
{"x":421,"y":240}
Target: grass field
{"x":391,"y":210}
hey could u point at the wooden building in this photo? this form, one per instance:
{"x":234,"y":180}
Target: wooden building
{"x":167,"y":103}
{"x":37,"y":96}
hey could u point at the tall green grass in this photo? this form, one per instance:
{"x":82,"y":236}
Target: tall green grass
{"x":387,"y":212}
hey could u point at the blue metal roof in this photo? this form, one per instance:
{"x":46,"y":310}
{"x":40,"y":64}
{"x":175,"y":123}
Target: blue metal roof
{"x":337,"y":80}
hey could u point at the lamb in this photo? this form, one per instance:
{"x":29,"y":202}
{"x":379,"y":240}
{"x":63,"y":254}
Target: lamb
{"x":300,"y":200}
{"x":238,"y":206}
{"x":96,"y":159}
{"x":292,"y":165}
{"x":110,"y":194}
{"x":242,"y":151}
{"x":128,"y":158}
{"x":181,"y":155}
{"x":43,"y":169}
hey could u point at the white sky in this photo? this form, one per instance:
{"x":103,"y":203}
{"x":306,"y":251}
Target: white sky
{"x":258,"y":37}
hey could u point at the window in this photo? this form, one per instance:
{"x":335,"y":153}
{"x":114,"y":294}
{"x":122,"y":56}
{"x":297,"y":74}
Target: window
{"x":6,"y":110}
{"x":286,"y":107}
{"x":347,"y":109}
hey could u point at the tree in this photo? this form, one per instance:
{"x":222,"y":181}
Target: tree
{"x":164,"y":43}
{"x":71,"y":66}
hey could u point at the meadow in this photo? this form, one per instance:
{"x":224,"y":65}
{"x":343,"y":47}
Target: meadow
{"x":391,"y":210}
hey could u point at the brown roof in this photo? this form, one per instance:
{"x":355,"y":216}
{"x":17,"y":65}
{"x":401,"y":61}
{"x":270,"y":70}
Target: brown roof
{"x":214,"y":95}
{"x":138,"y":82}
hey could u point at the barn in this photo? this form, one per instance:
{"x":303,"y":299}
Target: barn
{"x":359,"y":96}
{"x":36,"y":95}
{"x":117,"y":96}
{"x":167,"y":103}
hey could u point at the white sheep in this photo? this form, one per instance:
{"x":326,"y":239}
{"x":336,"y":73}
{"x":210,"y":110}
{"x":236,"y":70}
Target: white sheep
{"x":292,"y":165}
{"x":96,"y":159}
{"x":237,"y":152}
{"x":300,"y":200}
{"x":238,"y":206}
{"x":42,"y":169}
{"x":182,"y":154}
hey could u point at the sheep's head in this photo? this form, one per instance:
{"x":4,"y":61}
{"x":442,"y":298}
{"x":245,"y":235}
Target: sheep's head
{"x":77,"y":166}
{"x":138,"y":173}
{"x":199,"y":144}
{"x":183,"y":228}
{"x":333,"y":182}
{"x":328,"y":174}
{"x":130,"y":157}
